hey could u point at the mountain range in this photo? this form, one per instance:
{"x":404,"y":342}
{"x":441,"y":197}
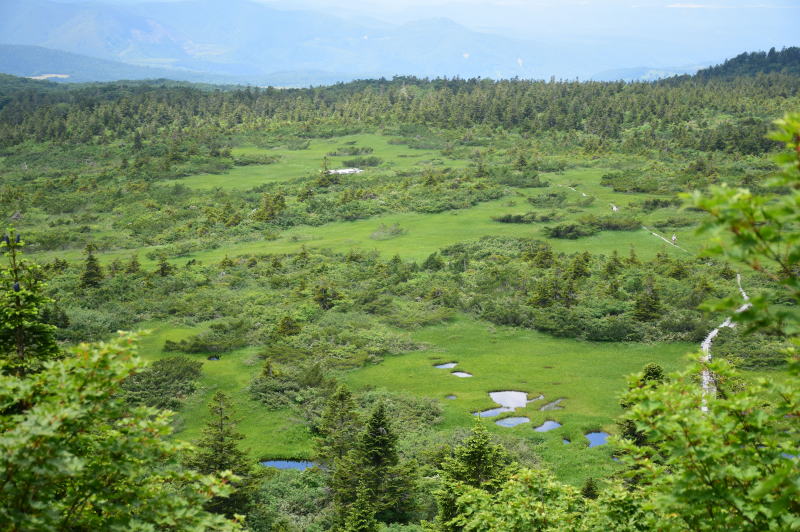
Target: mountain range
{"x":241,"y":41}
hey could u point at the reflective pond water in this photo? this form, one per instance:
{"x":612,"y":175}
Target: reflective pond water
{"x":446,"y":365}
{"x":462,"y":374}
{"x":512,"y":421}
{"x":508,"y":401}
{"x":547,"y":425}
{"x":597,"y":438}
{"x":288,"y":464}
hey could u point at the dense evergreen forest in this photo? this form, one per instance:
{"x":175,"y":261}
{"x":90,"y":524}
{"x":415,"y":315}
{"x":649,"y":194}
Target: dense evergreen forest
{"x":431,"y":304}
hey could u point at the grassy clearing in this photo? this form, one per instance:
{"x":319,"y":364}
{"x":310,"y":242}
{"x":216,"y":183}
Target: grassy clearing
{"x":426,"y":233}
{"x":269,"y":434}
{"x":295,"y":164}
{"x":589,"y":376}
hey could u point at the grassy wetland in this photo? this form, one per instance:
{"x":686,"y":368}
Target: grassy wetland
{"x":551,"y":250}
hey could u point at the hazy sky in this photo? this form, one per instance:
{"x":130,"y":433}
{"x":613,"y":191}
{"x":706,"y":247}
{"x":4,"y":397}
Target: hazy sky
{"x":658,"y":33}
{"x":693,"y":30}
{"x":703,"y":22}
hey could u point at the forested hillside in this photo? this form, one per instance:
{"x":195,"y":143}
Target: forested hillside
{"x":786,"y":60}
{"x":404,"y":304}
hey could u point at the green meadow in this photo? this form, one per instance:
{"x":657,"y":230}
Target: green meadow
{"x":296,"y":164}
{"x":588,"y":377}
{"x":426,"y":233}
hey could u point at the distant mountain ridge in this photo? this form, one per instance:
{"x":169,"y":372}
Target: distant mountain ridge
{"x":247,"y":42}
{"x":252,"y":41}
{"x":41,"y":63}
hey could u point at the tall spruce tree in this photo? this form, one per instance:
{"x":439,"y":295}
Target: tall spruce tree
{"x":478,"y":463}
{"x":338,"y":426}
{"x":26,"y":341}
{"x":647,"y":305}
{"x":361,"y":517}
{"x":92,"y":274}
{"x":218,"y":450}
{"x":375,"y":465}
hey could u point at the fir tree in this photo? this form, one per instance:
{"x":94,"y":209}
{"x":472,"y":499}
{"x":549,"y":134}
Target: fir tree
{"x":326,"y":296}
{"x":26,"y":340}
{"x":579,"y":267}
{"x":433,"y":263}
{"x":374,"y":463}
{"x":614,"y":265}
{"x":589,"y":489}
{"x":337,"y":426}
{"x":647,"y":306}
{"x":133,"y":265}
{"x":361,"y":517}
{"x":287,"y":326}
{"x":164,"y":268}
{"x":115,"y":268}
{"x":92,"y":274}
{"x":544,"y":257}
{"x":478,"y":463}
{"x":218,"y":450}
{"x":633,"y":259}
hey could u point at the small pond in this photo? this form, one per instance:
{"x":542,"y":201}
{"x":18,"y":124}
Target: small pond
{"x":597,"y":438}
{"x":213,"y":357}
{"x":565,"y":441}
{"x":462,"y":374}
{"x":547,"y":425}
{"x":493,"y":412}
{"x":451,"y":397}
{"x":446,"y":365}
{"x":512,"y":421}
{"x":288,"y":464}
{"x":508,"y":401}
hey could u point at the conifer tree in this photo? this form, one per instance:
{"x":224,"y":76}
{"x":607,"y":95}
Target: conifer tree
{"x":338,"y":425}
{"x":92,"y":274}
{"x":287,"y":326}
{"x":633,"y":259}
{"x":218,"y":450}
{"x":544,"y":257}
{"x":478,"y":463}
{"x":647,"y":304}
{"x":164,"y":268}
{"x":374,"y":463}
{"x":589,"y":489}
{"x":579,"y":267}
{"x":26,"y":341}
{"x":361,"y":517}
{"x":614,"y":265}
{"x":133,"y":265}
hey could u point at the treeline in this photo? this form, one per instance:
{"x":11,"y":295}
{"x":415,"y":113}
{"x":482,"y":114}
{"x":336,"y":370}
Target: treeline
{"x":730,"y":114}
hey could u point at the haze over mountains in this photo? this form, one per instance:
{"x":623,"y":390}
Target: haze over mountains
{"x":242,"y":41}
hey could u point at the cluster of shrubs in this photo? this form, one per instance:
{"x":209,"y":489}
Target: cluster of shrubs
{"x":351,"y":151}
{"x":528,"y":218}
{"x":591,"y":224}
